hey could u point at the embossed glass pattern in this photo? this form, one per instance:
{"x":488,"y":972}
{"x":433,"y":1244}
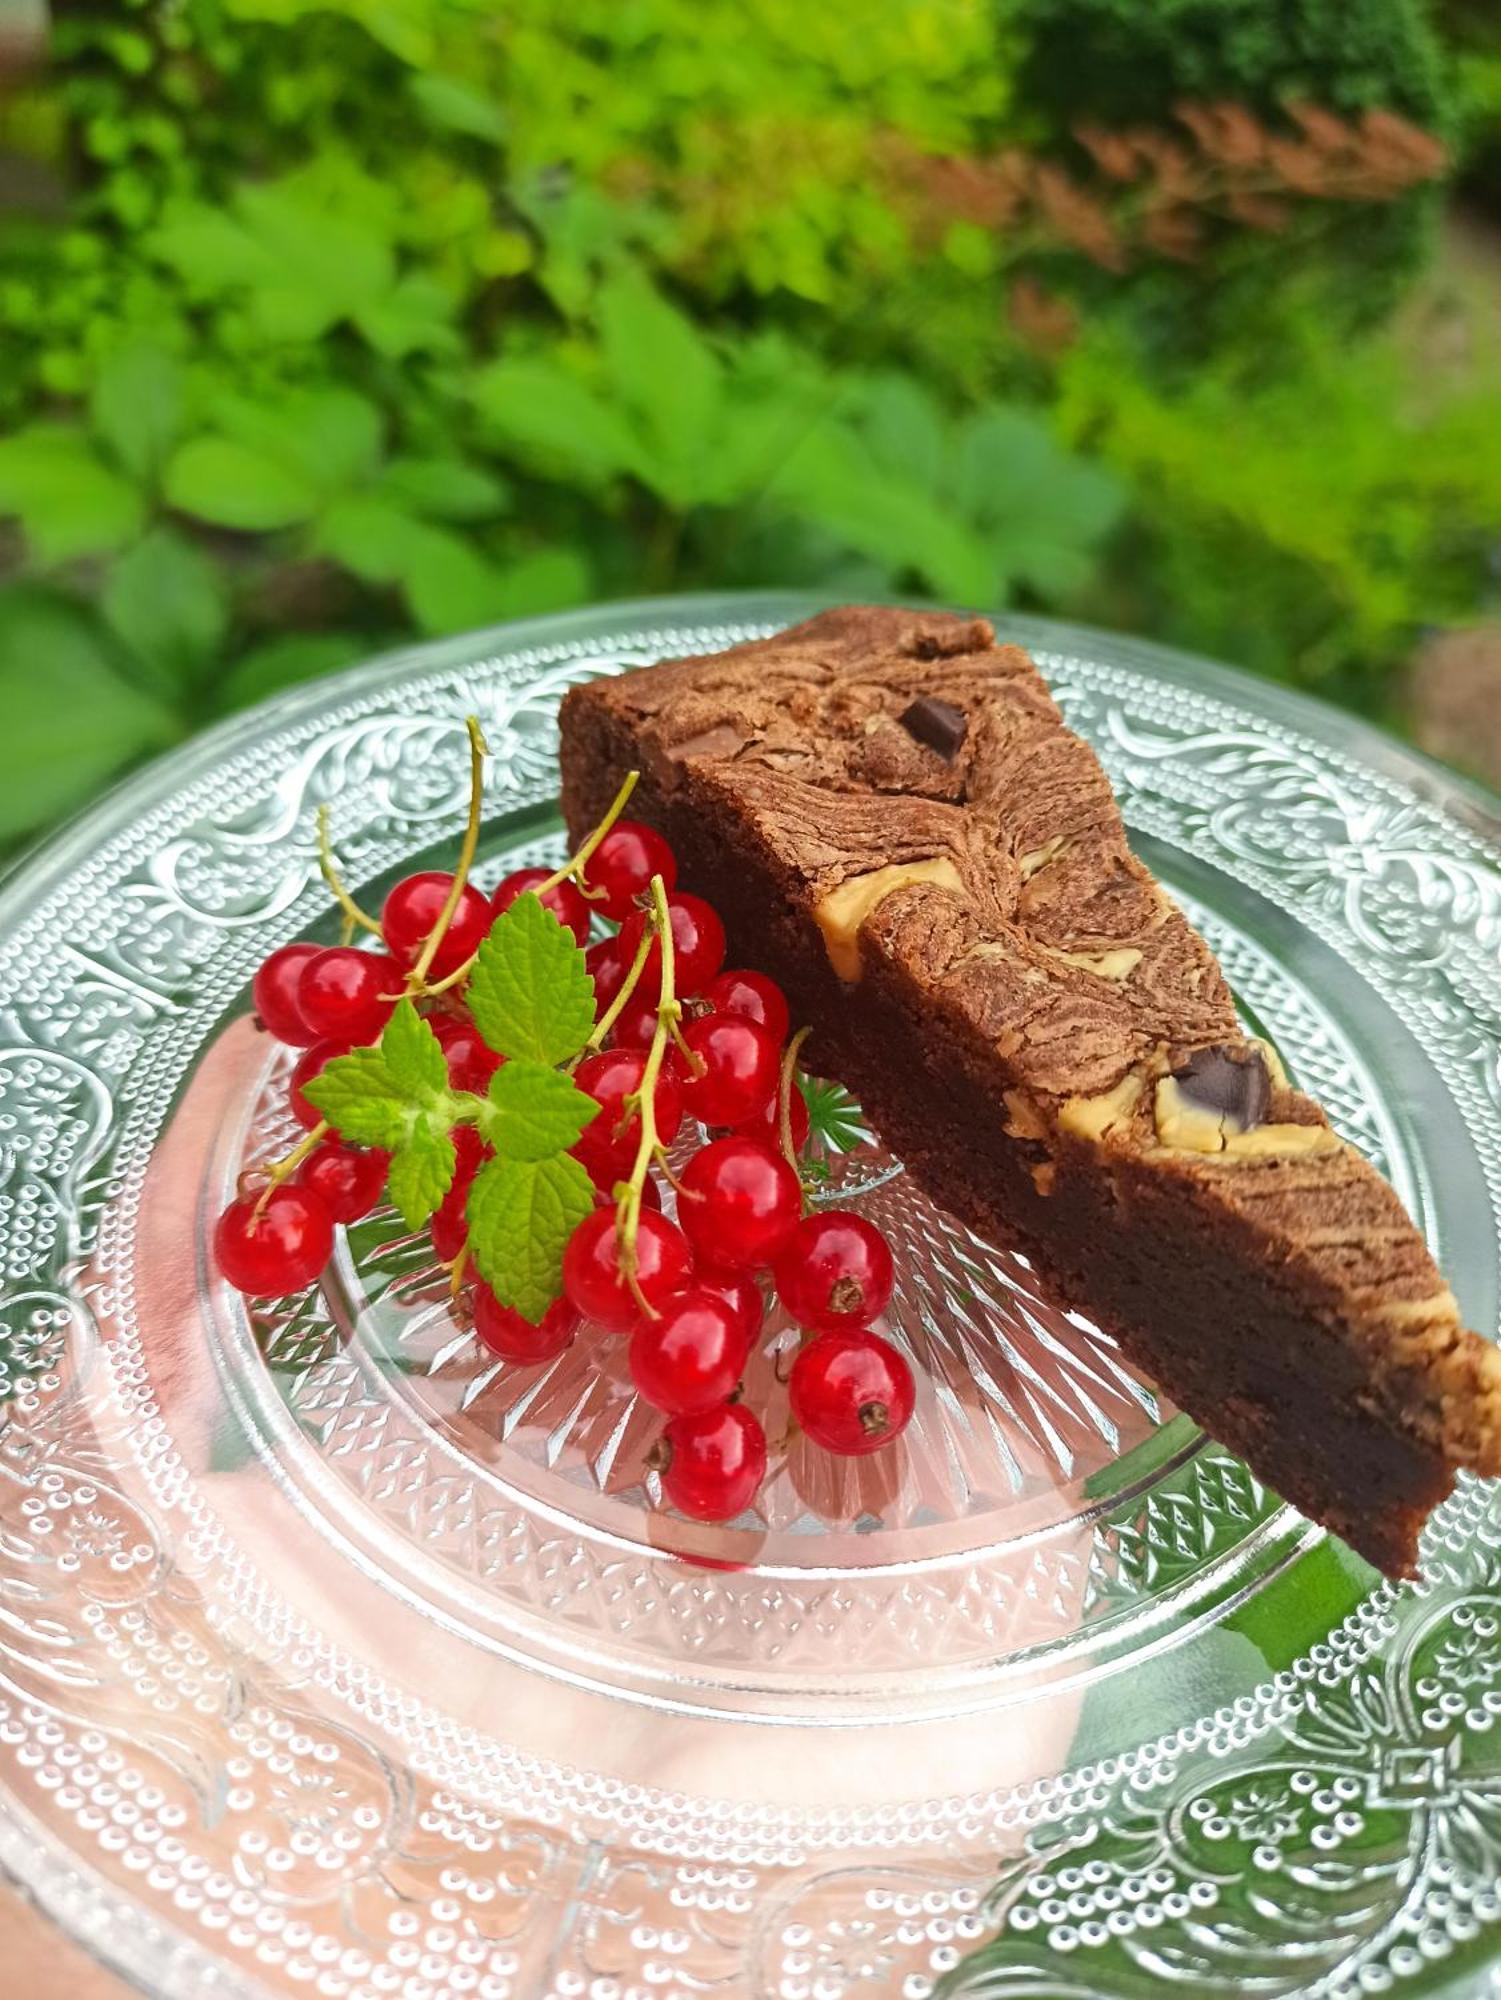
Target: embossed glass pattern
{"x":336,"y":1660}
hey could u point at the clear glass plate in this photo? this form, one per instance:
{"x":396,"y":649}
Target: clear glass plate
{"x":335,"y":1661}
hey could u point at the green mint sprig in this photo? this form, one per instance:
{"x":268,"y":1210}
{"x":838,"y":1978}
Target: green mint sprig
{"x":532,"y":999}
{"x":530,"y":992}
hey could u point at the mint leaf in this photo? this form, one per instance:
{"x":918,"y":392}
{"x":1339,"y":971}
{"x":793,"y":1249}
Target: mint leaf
{"x":362,"y":1100}
{"x":533,"y":1111}
{"x":421,"y":1174}
{"x":530,"y":992}
{"x":521,"y":1214}
{"x":413,"y":1054}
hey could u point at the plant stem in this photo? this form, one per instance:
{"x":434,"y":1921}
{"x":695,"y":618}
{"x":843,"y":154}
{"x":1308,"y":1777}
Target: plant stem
{"x":785,"y":1089}
{"x":579,"y":862}
{"x":693,"y":1061}
{"x":417,"y":977}
{"x":353,"y":914}
{"x":287,"y":1165}
{"x":455,"y":978}
{"x":628,"y":1206}
{"x":619,"y":1004}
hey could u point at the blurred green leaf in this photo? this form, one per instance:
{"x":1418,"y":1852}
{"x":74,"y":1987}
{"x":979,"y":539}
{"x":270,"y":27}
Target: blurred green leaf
{"x":456,"y":107}
{"x":452,"y":586}
{"x":137,"y":406}
{"x":415,"y":316}
{"x":69,"y":503}
{"x":71,"y":720}
{"x":1043,"y":510}
{"x":835,"y":482}
{"x":903,"y":425}
{"x":546,"y":580}
{"x":370,"y":535}
{"x":165,"y":599}
{"x":233,"y":485}
{"x":303,"y":266}
{"x":330,"y":437}
{"x":337,"y":259}
{"x":663,"y":369}
{"x":280,"y":663}
{"x":210,"y":250}
{"x":449,"y":585}
{"x":447,"y":489}
{"x":554,"y":421}
{"x":405,"y":27}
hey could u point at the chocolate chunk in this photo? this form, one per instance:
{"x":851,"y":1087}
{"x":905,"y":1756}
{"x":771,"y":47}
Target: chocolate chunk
{"x":937,"y":723}
{"x":1231,"y":1084}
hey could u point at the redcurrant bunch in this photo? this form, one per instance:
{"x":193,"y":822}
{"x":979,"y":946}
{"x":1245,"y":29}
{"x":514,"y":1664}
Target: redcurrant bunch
{"x":682,"y":1044}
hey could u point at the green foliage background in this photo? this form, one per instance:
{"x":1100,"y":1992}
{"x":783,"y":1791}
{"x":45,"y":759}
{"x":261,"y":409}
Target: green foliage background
{"x":322,"y":325}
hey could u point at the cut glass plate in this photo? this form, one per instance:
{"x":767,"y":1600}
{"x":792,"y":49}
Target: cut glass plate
{"x":337,"y":1661}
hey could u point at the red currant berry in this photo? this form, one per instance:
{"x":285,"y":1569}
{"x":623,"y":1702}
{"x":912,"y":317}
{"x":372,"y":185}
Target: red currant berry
{"x":306,"y":1067}
{"x":689,"y":1358}
{"x":739,"y":1203}
{"x":740,"y":1293}
{"x":607,"y":1145}
{"x":274,"y":993}
{"x":346,"y":994}
{"x":697,"y":943}
{"x":755,"y":996}
{"x":623,"y":864}
{"x":834,"y":1272}
{"x":564,"y":899}
{"x":715,"y":1462}
{"x":602,"y":1166}
{"x":514,"y":1338}
{"x":278,"y":1251}
{"x":591,"y":1268}
{"x":449,"y":1226}
{"x":851,"y":1392}
{"x":608,"y":966}
{"x":349,"y":1179}
{"x":771,"y":1119}
{"x":471,"y":1061}
{"x":636,"y":1023}
{"x":412,"y":909}
{"x":739,"y":1072}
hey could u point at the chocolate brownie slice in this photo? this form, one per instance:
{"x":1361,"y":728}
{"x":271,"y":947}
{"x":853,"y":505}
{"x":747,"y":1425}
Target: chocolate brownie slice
{"x":887,"y":810}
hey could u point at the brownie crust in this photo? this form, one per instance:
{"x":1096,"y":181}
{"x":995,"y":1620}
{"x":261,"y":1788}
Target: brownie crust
{"x":891,"y":817}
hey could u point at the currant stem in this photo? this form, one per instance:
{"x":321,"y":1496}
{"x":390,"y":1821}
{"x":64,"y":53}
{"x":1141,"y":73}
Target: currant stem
{"x":618,"y":1005}
{"x":579,"y":862}
{"x":283,"y":1169}
{"x":353,"y":914}
{"x":785,"y":1089}
{"x":457,"y":1269}
{"x":692,"y":1059}
{"x":478,"y":750}
{"x":628,"y":1207}
{"x":455,"y":978}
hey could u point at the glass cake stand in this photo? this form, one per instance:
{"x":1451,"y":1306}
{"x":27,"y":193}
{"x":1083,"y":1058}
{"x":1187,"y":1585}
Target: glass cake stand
{"x":335,"y":1661}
